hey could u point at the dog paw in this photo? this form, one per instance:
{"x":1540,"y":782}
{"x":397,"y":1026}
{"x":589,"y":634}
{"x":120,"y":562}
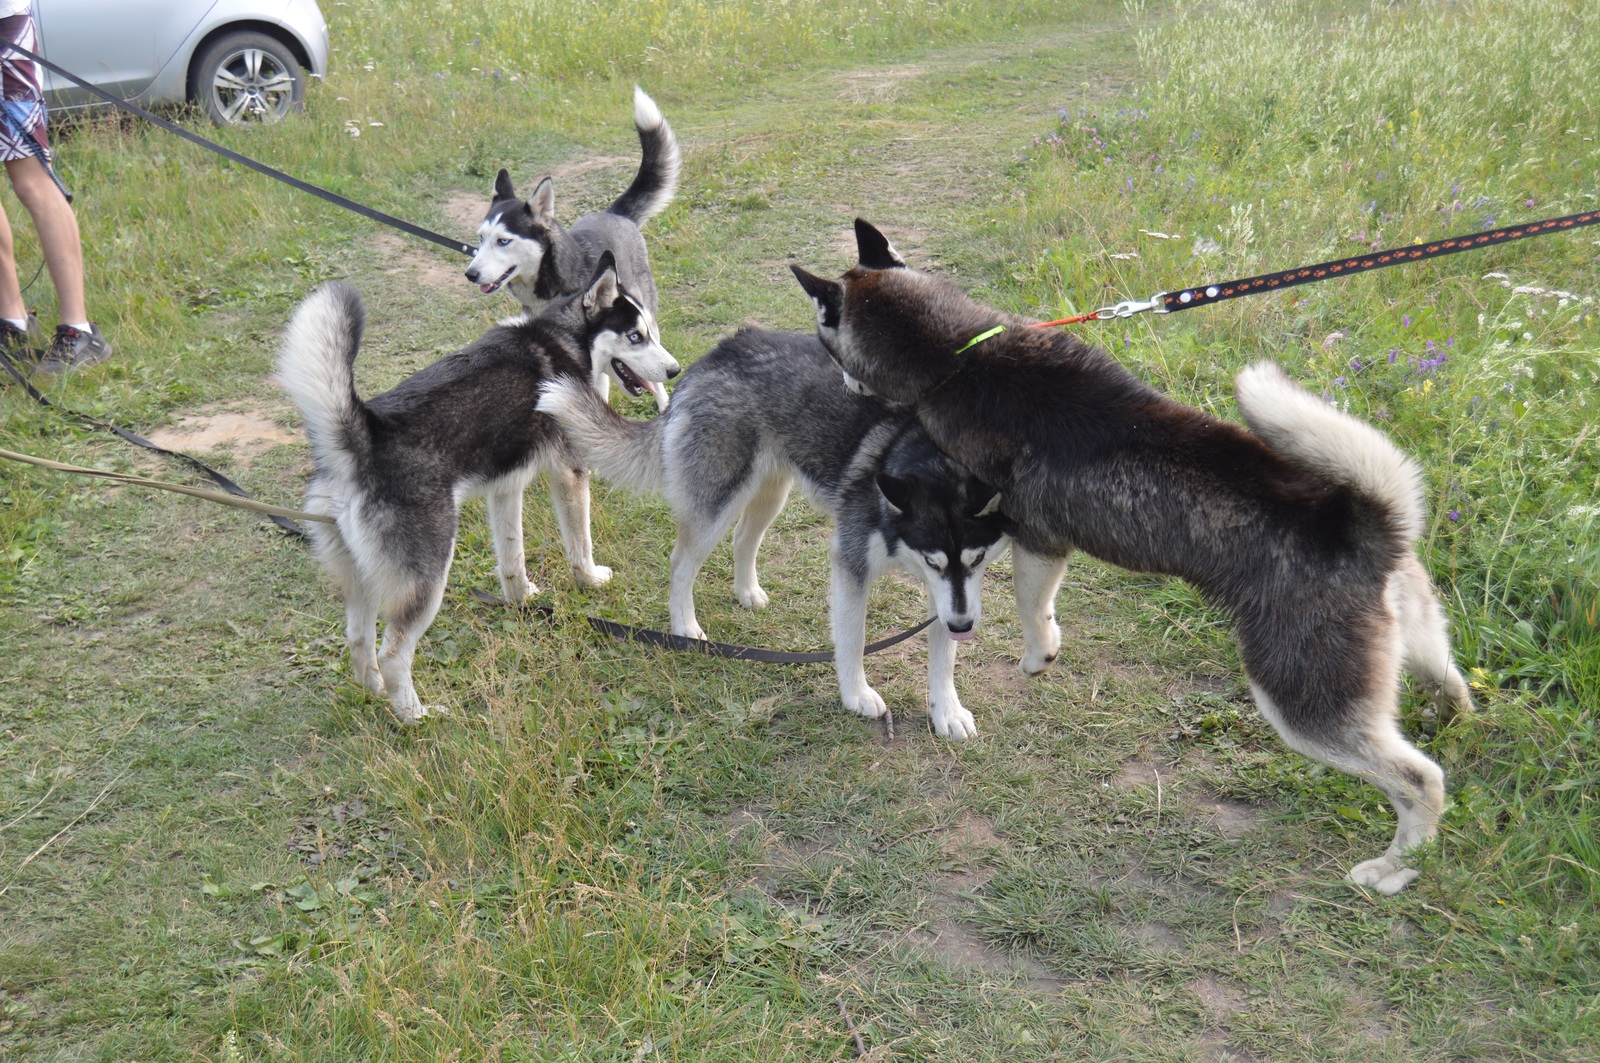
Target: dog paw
{"x":693,"y":631}
{"x":1385,"y":874}
{"x":414,"y":713}
{"x":865,"y":702}
{"x":752,"y":597}
{"x":368,"y":675}
{"x":952,"y":721}
{"x":517,"y":589}
{"x":1035,"y":659}
{"x":598,"y":576}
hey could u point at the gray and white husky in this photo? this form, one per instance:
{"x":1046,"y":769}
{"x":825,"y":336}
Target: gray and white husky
{"x":1304,"y":527}
{"x":524,"y":248}
{"x":764,"y":409}
{"x":393,"y":469}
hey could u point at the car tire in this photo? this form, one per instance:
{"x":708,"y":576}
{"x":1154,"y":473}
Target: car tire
{"x":247,"y":76}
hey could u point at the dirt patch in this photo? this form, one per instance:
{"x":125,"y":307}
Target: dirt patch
{"x":1218,"y":999}
{"x":418,"y":266}
{"x":1139,"y":772}
{"x":245,"y":433}
{"x":1231,"y":819}
{"x":466,"y":208}
{"x":875,"y":86}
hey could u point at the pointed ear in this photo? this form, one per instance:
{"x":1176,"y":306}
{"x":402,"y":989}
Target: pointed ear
{"x":543,"y":202}
{"x":874,"y":249}
{"x":896,"y":491}
{"x":990,"y":507}
{"x":502,"y":186}
{"x":828,"y":295}
{"x":604,"y":288}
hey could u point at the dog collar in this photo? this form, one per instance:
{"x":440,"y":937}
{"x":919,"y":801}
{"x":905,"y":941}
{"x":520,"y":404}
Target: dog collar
{"x":979,"y":338}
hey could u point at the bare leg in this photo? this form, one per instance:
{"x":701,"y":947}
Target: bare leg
{"x":58,"y":234}
{"x":505,"y":525}
{"x":11,"y":304}
{"x":569,"y":486}
{"x":759,"y":513}
{"x":1037,"y":580}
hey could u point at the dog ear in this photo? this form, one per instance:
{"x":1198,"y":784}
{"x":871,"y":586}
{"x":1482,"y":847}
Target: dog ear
{"x":604,"y":287}
{"x":828,"y":295}
{"x":502,"y":186}
{"x":543,"y":202}
{"x":874,"y":249}
{"x":896,"y":491}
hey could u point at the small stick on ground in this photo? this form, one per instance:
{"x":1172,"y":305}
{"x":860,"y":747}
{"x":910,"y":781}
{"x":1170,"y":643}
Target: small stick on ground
{"x":849,"y":1024}
{"x":888,"y":725}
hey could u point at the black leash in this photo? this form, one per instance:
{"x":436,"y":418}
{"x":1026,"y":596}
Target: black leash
{"x":245,"y":160}
{"x":629,"y":633}
{"x":1189,"y":298}
{"x":138,"y":440}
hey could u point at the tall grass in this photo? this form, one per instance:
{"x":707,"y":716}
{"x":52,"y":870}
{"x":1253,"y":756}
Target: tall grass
{"x":1263,"y":136}
{"x":660,"y":41}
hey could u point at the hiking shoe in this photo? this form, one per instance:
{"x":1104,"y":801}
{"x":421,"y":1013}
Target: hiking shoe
{"x":74,"y":349}
{"x":21,"y":344}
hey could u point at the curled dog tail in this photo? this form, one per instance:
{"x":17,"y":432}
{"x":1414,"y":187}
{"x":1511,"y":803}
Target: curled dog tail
{"x":657,"y":180}
{"x":1312,"y":434}
{"x":627,"y":453}
{"x":315,"y":368}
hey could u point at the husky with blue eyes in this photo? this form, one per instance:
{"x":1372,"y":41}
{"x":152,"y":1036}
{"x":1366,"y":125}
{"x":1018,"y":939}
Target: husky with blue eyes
{"x":766,"y":409}
{"x":393,"y":469}
{"x":523,"y":249}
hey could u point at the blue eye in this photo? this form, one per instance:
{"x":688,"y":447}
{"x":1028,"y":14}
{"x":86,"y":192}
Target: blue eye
{"x":635,"y":337}
{"x":504,"y":241}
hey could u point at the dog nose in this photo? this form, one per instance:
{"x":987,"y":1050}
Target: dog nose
{"x":674,"y":371}
{"x":960,"y":626}
{"x":472,"y":274}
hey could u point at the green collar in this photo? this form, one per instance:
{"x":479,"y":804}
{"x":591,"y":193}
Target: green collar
{"x":980,"y":337}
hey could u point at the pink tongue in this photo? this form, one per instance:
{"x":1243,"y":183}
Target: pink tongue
{"x":486,"y":288}
{"x":659,"y":390}
{"x":961,"y":636}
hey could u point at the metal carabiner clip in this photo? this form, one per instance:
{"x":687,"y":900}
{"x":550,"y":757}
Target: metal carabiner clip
{"x":1130,"y":307}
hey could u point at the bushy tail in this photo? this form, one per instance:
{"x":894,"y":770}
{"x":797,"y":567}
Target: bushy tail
{"x":314,"y":366}
{"x":627,"y":453}
{"x":657,"y":180}
{"x":1312,"y":434}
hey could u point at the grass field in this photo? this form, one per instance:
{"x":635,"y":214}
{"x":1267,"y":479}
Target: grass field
{"x":214,"y":846}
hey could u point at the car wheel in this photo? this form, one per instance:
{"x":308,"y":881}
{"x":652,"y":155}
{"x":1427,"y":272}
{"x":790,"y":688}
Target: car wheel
{"x":248,"y":77}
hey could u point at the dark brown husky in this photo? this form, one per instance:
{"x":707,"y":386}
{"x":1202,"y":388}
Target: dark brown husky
{"x":1303,"y":528}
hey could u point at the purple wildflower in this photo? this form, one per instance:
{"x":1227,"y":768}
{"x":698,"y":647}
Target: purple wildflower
{"x":1405,"y":321}
{"x":1455,"y":515}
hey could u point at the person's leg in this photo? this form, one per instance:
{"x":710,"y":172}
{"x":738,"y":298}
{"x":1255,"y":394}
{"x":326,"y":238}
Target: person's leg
{"x":58,"y":237}
{"x":11,"y":304}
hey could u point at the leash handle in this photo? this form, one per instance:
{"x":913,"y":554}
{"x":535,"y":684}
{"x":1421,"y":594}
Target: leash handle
{"x":244,"y":160}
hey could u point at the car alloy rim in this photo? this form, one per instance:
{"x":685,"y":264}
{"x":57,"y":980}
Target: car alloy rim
{"x":252,"y":85}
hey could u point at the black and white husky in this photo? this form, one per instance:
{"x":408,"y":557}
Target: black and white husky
{"x":764,"y":409}
{"x":393,"y":469}
{"x":524,"y":248}
{"x":1304,"y":528}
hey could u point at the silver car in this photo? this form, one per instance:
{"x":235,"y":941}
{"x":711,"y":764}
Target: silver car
{"x":237,"y":60}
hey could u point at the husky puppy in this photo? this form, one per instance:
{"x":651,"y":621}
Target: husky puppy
{"x":1304,"y":530}
{"x":393,"y":469}
{"x":763,"y":409}
{"x":523,"y":247}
